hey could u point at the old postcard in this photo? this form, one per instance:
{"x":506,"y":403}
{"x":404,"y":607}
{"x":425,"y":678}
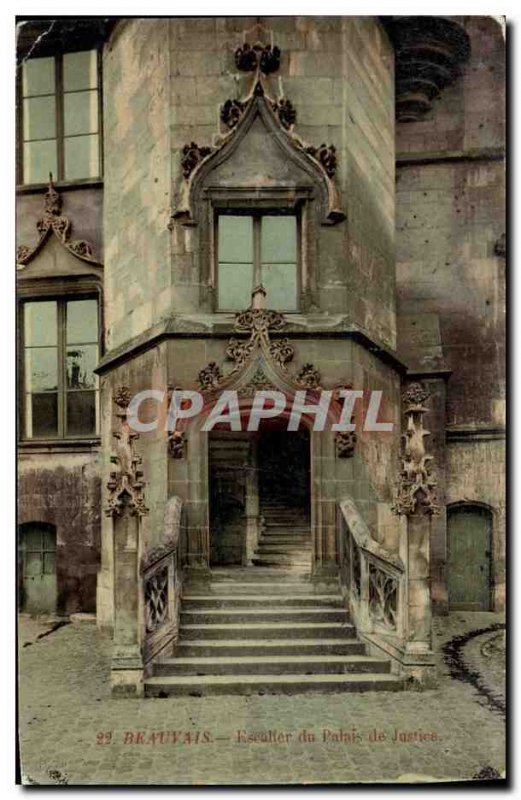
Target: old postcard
{"x":261,"y":493}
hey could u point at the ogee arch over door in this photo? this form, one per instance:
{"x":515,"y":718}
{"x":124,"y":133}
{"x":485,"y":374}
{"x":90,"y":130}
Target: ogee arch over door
{"x":469,"y":532}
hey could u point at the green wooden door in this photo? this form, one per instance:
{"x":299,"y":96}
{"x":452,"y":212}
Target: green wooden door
{"x":469,"y":542}
{"x":38,"y":569}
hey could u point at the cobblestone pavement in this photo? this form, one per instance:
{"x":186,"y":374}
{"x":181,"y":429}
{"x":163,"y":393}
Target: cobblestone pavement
{"x":72,"y":731}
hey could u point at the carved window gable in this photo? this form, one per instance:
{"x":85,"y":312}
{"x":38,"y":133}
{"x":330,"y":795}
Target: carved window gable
{"x":258,"y":153}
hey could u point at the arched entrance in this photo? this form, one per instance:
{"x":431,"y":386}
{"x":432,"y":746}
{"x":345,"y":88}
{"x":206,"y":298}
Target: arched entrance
{"x":259,"y":484}
{"x":469,"y":537}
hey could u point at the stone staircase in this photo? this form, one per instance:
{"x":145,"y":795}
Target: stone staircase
{"x":266,"y":630}
{"x":285,"y":541}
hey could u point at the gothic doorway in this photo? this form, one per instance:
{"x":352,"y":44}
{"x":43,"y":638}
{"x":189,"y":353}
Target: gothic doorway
{"x":256,"y":480}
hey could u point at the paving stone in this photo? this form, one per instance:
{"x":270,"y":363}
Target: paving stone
{"x":66,"y":709}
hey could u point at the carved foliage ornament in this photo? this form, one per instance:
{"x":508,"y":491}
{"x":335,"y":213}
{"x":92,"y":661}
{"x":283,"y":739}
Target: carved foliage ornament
{"x":191,"y":155}
{"x":326,"y":156}
{"x":125,"y":484}
{"x":416,"y":489}
{"x":259,"y":57}
{"x":53,"y":221}
{"x":345,"y":444}
{"x":231,"y":112}
{"x":308,"y":377}
{"x":345,"y":441}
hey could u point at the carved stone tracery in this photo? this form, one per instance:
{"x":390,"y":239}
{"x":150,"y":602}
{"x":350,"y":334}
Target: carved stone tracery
{"x":383,"y":597}
{"x":416,"y":489}
{"x":125,"y":485}
{"x":53,"y":221}
{"x":156,"y":599}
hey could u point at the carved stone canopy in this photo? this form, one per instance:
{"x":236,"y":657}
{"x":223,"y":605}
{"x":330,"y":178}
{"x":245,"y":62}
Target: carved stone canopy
{"x":278,"y":116}
{"x":54,"y":222}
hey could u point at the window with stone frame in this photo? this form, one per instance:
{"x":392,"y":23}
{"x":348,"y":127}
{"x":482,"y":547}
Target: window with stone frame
{"x":59,"y":118}
{"x":253,"y":248}
{"x":60,"y":349}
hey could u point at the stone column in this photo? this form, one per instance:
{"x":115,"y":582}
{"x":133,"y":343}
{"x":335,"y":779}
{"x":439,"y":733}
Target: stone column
{"x":252,"y":504}
{"x":416,"y":504}
{"x":126,"y":507}
{"x":127,"y":662}
{"x":415,"y":553}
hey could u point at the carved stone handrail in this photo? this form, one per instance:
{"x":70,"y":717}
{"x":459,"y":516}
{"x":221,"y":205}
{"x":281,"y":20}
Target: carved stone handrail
{"x":365,"y":541}
{"x":372,"y":577}
{"x":161,"y":582}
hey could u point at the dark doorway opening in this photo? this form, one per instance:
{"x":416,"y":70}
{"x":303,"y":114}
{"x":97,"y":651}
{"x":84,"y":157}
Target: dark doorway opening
{"x":258,"y":471}
{"x":284,"y":469}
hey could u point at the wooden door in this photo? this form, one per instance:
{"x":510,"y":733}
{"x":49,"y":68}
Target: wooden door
{"x":469,"y":549}
{"x":38,"y":569}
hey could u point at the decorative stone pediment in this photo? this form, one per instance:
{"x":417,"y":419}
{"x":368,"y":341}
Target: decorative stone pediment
{"x":260,"y":362}
{"x":259,"y":149}
{"x":54,"y":227}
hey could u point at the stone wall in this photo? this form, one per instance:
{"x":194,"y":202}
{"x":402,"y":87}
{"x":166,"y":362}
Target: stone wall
{"x":137,"y":178}
{"x":181,"y":71}
{"x":64,"y":490}
{"x":450,"y":207}
{"x":476,"y":472}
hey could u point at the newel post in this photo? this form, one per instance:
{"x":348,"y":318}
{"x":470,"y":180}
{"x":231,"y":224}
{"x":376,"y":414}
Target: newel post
{"x":126,"y":507}
{"x":416,"y":504}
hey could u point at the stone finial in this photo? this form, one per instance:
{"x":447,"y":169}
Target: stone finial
{"x":258,"y":297}
{"x":416,"y":487}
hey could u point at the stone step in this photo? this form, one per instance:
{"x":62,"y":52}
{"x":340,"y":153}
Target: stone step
{"x":293,"y":588}
{"x":267,"y":630}
{"x":247,"y":574}
{"x":317,"y":664}
{"x":261,"y":647}
{"x":211,"y":616}
{"x":281,"y":561}
{"x":266,"y":548}
{"x":170,"y":685}
{"x":285,"y":536}
{"x":193,"y":601}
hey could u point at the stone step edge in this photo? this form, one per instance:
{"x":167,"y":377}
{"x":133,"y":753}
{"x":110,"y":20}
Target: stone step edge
{"x":267,"y":626}
{"x":288,"y":678}
{"x":279,"y":659}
